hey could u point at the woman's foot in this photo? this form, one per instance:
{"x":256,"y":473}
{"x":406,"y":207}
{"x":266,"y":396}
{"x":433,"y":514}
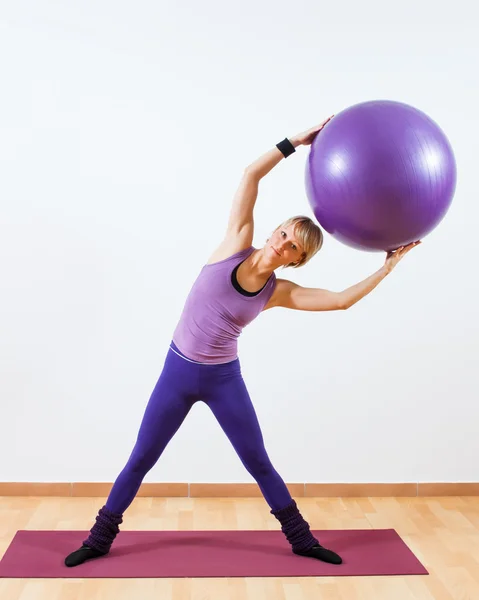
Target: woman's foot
{"x":81,"y":555}
{"x":321,"y":553}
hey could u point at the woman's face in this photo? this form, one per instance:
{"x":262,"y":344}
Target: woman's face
{"x":284,"y":246}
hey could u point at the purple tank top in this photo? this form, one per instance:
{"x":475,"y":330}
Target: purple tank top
{"x":215,"y":312}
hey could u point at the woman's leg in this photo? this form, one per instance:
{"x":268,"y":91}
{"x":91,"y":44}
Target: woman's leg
{"x":169,"y":404}
{"x":229,"y":400}
{"x":230,"y":403}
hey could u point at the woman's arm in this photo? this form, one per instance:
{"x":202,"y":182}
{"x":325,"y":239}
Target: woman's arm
{"x":356,"y":292}
{"x":290,"y":295}
{"x":241,"y":214}
{"x":240,"y":228}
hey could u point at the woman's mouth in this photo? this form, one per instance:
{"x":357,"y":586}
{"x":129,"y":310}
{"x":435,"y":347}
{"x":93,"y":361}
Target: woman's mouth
{"x":276,"y":251}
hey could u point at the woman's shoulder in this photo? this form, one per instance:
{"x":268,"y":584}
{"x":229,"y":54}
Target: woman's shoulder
{"x":281,"y":287}
{"x":235,"y":242}
{"x":229,"y":252}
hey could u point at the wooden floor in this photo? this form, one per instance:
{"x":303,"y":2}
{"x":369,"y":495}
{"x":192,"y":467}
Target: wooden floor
{"x":443,"y":532}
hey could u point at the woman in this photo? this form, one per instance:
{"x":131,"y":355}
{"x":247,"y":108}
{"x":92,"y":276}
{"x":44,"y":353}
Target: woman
{"x":236,"y":284}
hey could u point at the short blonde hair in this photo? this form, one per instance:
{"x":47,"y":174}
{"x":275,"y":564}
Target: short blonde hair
{"x":309,"y":235}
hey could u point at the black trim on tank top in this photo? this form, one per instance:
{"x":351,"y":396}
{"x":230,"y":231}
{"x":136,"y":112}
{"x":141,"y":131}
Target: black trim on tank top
{"x":237,"y":286}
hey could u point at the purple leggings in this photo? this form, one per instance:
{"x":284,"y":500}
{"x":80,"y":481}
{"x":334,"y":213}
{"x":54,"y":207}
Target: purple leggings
{"x":221,"y":387}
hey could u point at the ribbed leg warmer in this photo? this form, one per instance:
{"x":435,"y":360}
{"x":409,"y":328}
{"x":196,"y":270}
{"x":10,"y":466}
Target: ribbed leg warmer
{"x":295,"y":528}
{"x":104,"y":530}
{"x":298,"y":534}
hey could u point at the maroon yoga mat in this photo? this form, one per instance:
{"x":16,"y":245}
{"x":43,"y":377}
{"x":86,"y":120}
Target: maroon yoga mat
{"x":41,"y":554}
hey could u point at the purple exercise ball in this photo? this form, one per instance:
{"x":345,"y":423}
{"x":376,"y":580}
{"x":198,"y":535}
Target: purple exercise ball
{"x":380,"y":175}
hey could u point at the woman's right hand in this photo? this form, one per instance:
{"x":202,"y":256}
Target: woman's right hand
{"x":306,"y":137}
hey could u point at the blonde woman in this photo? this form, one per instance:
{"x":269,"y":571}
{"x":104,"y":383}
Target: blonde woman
{"x":233,"y":288}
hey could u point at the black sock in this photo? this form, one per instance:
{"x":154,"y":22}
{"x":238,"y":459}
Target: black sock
{"x":81,"y":555}
{"x":321,"y":554}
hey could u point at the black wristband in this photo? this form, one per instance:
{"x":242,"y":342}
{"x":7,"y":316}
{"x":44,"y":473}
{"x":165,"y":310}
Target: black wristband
{"x":286,"y":147}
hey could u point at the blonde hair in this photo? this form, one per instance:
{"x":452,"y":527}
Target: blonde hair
{"x":309,"y":235}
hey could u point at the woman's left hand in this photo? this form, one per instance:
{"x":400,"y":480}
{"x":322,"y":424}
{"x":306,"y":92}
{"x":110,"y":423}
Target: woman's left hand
{"x":306,"y":137}
{"x":394,"y":256}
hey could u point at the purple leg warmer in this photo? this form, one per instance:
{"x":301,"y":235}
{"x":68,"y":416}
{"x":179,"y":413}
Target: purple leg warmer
{"x":104,"y":530}
{"x":295,"y":528}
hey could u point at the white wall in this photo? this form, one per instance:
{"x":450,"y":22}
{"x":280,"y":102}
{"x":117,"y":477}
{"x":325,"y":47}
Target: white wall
{"x":124,"y":130}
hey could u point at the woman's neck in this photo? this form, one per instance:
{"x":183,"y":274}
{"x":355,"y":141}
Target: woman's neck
{"x":258,"y":266}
